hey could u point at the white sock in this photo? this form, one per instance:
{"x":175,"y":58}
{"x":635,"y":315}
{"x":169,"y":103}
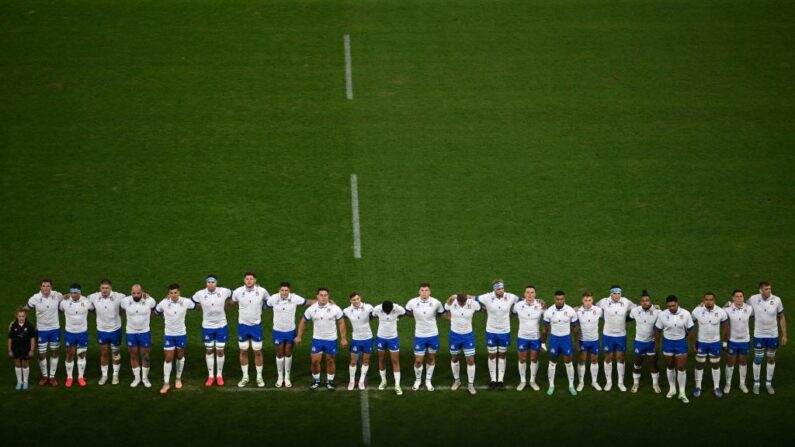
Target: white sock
{"x":471,"y":373}
{"x":25,"y":374}
{"x":671,"y":373}
{"x":757,"y":371}
{"x":116,"y":369}
{"x":145,"y":372}
{"x":219,"y":360}
{"x":382,"y":372}
{"x":18,"y":371}
{"x":501,"y":369}
{"x":533,"y":371}
{"x":620,"y":368}
{"x":288,"y":365}
{"x":570,"y":373}
{"x":329,"y":378}
{"x":53,"y":366}
{"x":635,"y":378}
{"x":210,"y":360}
{"x":166,"y":372}
{"x":729,"y":374}
{"x":104,"y":369}
{"x":581,"y":372}
{"x":418,"y":373}
{"x":43,"y":367}
{"x":259,"y":370}
{"x":771,"y":368}
{"x":280,"y":367}
{"x":655,"y":378}
{"x":70,"y":366}
{"x":493,"y":369}
{"x":551,"y":374}
{"x":180,"y":366}
{"x":429,"y":372}
{"x":522,"y":371}
{"x":681,"y":378}
{"x":136,"y":373}
{"x":397,"y":377}
{"x":81,"y":366}
{"x":608,"y":372}
{"x":316,"y":377}
{"x":244,"y":370}
{"x":716,"y":378}
{"x":699,"y":377}
{"x":352,"y":373}
{"x":456,"y":367}
{"x":363,"y":373}
{"x":594,"y":372}
{"x":743,"y":373}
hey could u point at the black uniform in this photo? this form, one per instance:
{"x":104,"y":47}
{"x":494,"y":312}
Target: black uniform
{"x":20,"y":339}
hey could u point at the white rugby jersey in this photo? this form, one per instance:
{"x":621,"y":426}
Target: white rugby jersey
{"x":644,"y":322}
{"x":739,"y":319}
{"x":46,"y":308}
{"x":174,"y":314}
{"x":76,"y":314}
{"x":589,"y":323}
{"x":766,"y":315}
{"x":530,"y":315}
{"x":284,"y":311}
{"x":213,"y":306}
{"x":461,"y":316}
{"x":250,"y":304}
{"x":107,"y":308}
{"x":324,"y":320}
{"x":674,"y":326}
{"x":560,"y":320}
{"x":360,"y":321}
{"x":387,"y":322}
{"x":498,"y":319}
{"x":709,"y":322}
{"x":615,"y":315}
{"x":138,"y":313}
{"x":425,"y":312}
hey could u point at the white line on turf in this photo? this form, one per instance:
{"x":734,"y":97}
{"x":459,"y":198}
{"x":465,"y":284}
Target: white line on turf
{"x":348,"y":73}
{"x":365,"y":418}
{"x":357,"y":236}
{"x":300,"y":389}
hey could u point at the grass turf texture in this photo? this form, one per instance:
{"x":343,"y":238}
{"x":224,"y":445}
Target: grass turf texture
{"x":569,"y":144}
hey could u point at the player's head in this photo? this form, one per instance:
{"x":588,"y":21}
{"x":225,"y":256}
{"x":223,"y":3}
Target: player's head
{"x":356,"y":299}
{"x":284,"y":289}
{"x":498,"y":286}
{"x":461,"y":298}
{"x":560,"y":298}
{"x":672,"y":302}
{"x":249,"y":279}
{"x":615,"y":292}
{"x":105,"y":287}
{"x":74,"y":291}
{"x":45,"y":287}
{"x":21,"y":314}
{"x":530,"y":292}
{"x":645,"y":300}
{"x":387,"y":306}
{"x":709,"y":300}
{"x":738,"y":297}
{"x":765,"y":289}
{"x":425,"y":290}
{"x":212,"y":282}
{"x":173,"y":291}
{"x":137,"y":292}
{"x":322,"y":295}
{"x":587,"y":299}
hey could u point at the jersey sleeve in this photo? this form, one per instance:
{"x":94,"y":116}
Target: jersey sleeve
{"x":479,"y":307}
{"x":32,"y":302}
{"x":60,"y":305}
{"x":306,"y":314}
{"x":546,"y":317}
{"x":301,"y":300}
{"x":235,"y":296}
{"x":440,"y":309}
{"x":195,"y":298}
{"x":780,"y":307}
{"x":152,"y":303}
{"x":270,"y":302}
{"x":339,"y":314}
{"x":575,"y":318}
{"x":658,"y":323}
{"x":159,"y":308}
{"x":190,"y":304}
{"x":399,"y":309}
{"x":410,"y":306}
{"x":447,"y":307}
{"x":690,"y":322}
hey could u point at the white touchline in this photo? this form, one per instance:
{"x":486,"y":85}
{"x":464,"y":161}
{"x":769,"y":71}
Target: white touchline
{"x":365,"y":418}
{"x":357,"y":237}
{"x":348,"y":73}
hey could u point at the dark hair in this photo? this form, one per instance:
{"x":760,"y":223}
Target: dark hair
{"x":672,"y":299}
{"x":496,"y":280}
{"x":173,"y":286}
{"x":75,"y":286}
{"x":284,"y":284}
{"x":425,"y":284}
{"x":530,"y":286}
{"x":587,"y":293}
{"x":615,"y":286}
{"x":46,"y":281}
{"x":734,"y":292}
{"x":709,"y":294}
{"x":320,"y":289}
{"x":211,"y":275}
{"x":560,"y":293}
{"x":353,"y":294}
{"x":387,"y":306}
{"x":105,"y":282}
{"x":250,"y":274}
{"x":763,"y":284}
{"x":461,"y":297}
{"x":23,"y":309}
{"x":644,"y":293}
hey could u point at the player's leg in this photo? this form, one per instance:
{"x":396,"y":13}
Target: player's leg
{"x":655,"y":370}
{"x":582,"y":359}
{"x":535,"y":346}
{"x":365,"y":365}
{"x":331,"y":368}
{"x":104,"y":360}
{"x":595,"y":368}
{"x":731,"y":360}
{"x":168,"y":363}
{"x":759,"y":357}
{"x":179,"y":353}
{"x":55,"y":350}
{"x":470,"y":360}
{"x":209,"y":355}
{"x":491,"y":348}
{"x":567,"y":360}
{"x":503,"y":343}
{"x":714,"y":361}
{"x":355,"y":352}
{"x":145,"y":360}
{"x":681,"y":374}
{"x":220,"y":341}
{"x":521,"y":350}
{"x":394,"y":356}
{"x":18,"y":372}
{"x":280,"y":348}
{"x":315,"y":359}
{"x":288,"y":361}
{"x":419,"y":356}
{"x":259,"y":361}
{"x":134,"y":351}
{"x":620,"y":365}
{"x":41,"y":347}
{"x":115,"y":355}
{"x":381,"y":348}
{"x":70,"y":360}
{"x":608,"y":362}
{"x":430,"y":366}
{"x":637,"y":366}
{"x":243,"y":344}
{"x":670,"y":367}
{"x":455,"y":366}
{"x":701,"y":359}
{"x":553,"y":358}
{"x":770,"y":369}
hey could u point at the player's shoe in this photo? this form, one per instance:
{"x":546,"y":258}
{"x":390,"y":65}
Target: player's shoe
{"x":492,"y":386}
{"x":19,"y":387}
{"x":656,"y":388}
{"x":382,"y":385}
{"x":683,"y":398}
{"x":743,"y":388}
{"x":243,"y":382}
{"x":500,"y":386}
{"x":53,"y":381}
{"x":351,"y":385}
{"x":287,"y":383}
{"x":362,"y":386}
{"x":102,"y":380}
{"x":398,"y":390}
{"x":727,"y":389}
{"x":164,"y":389}
{"x":697,"y":392}
{"x":535,"y":386}
{"x":315,"y":385}
{"x":596,"y":386}
{"x":572,"y":391}
{"x":580,"y":386}
{"x":770,"y":389}
{"x":608,"y":386}
{"x":68,"y":382}
{"x":756,"y":387}
{"x":551,"y":391}
{"x":219,"y":381}
{"x":635,"y":387}
{"x":621,"y":387}
{"x":456,"y":385}
{"x":279,"y":382}
{"x":260,"y":382}
{"x":416,"y":385}
{"x":135,"y":383}
{"x":43,"y":381}
{"x":114,"y":380}
{"x":471,"y":389}
{"x":81,"y":381}
{"x":330,"y":386}
{"x":428,"y":385}
{"x":521,"y":386}
{"x":717,"y":392}
{"x":24,"y":387}
{"x":146,"y":382}
{"x":209,"y":382}
{"x":671,"y":393}
{"x":178,"y":384}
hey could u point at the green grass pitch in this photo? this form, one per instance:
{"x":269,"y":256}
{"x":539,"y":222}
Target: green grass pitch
{"x":570,"y":144}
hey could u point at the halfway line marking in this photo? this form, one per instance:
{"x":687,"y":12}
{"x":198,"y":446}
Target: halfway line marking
{"x":348,"y":72}
{"x":357,"y":236}
{"x":365,"y":417}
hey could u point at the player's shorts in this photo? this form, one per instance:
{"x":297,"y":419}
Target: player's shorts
{"x":644,"y":348}
{"x":610,"y":344}
{"x":280,"y":337}
{"x":526,"y":344}
{"x":324,"y":346}
{"x":465,"y":342}
{"x":76,"y":339}
{"x":246,"y":332}
{"x":20,"y":353}
{"x":51,"y":338}
{"x":711,"y":349}
{"x":170,"y":342}
{"x":560,"y":345}
{"x":382,"y":344}
{"x":497,"y":340}
{"x":738,"y":347}
{"x":423,"y":343}
{"x":142,"y":340}
{"x":109,"y":338}
{"x":591,"y":347}
{"x":674,"y":347}
{"x":766,"y":343}
{"x":215,"y":337}
{"x":362,"y":346}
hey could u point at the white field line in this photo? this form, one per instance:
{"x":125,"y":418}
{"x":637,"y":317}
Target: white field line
{"x":348,"y":73}
{"x":365,"y":399}
{"x":357,"y":236}
{"x":302,"y":388}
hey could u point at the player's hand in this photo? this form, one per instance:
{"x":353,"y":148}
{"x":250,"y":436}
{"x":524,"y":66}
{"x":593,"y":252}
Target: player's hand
{"x":544,"y":347}
{"x":297,"y":340}
{"x":30,"y":354}
{"x":10,"y":354}
{"x":344,"y":343}
{"x":783,"y":340}
{"x":657,"y":306}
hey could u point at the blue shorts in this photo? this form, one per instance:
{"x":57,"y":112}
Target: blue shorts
{"x":462,"y":341}
{"x":738,"y":347}
{"x":280,"y":338}
{"x":645,"y":348}
{"x":560,"y":345}
{"x":714,"y":349}
{"x":766,"y":343}
{"x":674,"y":347}
{"x":216,"y":336}
{"x":174,"y":341}
{"x":143,"y":340}
{"x":423,"y":343}
{"x":610,"y":344}
{"x":362,"y":346}
{"x":51,"y":337}
{"x":497,"y":340}
{"x":76,"y":339}
{"x":590,"y":346}
{"x":525,"y":344}
{"x":246,"y":332}
{"x":327,"y":346}
{"x":109,"y":338}
{"x":382,"y":344}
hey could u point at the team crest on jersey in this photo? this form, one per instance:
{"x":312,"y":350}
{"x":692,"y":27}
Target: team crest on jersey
{"x":417,"y":347}
{"x":206,"y":337}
